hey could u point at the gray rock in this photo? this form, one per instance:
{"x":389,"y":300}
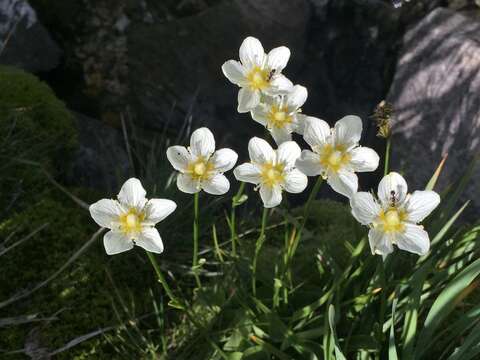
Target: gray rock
{"x":24,"y":42}
{"x":101,"y":161}
{"x":435,"y":93}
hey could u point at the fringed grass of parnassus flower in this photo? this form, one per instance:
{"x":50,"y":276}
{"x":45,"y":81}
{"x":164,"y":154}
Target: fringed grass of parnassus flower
{"x":304,"y":284}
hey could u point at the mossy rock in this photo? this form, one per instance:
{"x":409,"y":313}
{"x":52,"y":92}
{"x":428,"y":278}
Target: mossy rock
{"x":34,"y":126}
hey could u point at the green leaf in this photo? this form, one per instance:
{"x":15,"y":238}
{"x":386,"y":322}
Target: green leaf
{"x":462,"y":352}
{"x":392,"y":349}
{"x":331,"y":320}
{"x":436,"y":174}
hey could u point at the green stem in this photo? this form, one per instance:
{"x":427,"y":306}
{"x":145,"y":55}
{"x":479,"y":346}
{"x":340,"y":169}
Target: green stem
{"x":387,"y":156}
{"x":383,"y":295}
{"x":258,"y":247}
{"x":195,"y":240}
{"x":233,"y":226}
{"x":161,"y":278}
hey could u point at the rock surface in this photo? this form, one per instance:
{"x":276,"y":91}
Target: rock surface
{"x":24,"y":42}
{"x":435,"y":94}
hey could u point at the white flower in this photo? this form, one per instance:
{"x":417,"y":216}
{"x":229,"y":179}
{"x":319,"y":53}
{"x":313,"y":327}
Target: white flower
{"x":272,"y":170}
{"x":281,"y":114}
{"x":200,"y":166}
{"x":336,"y":155}
{"x":131,"y":219}
{"x":257,"y":73}
{"x":394,"y":216}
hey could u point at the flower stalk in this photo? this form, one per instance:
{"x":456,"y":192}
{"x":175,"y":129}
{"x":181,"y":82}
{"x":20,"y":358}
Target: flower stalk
{"x":195,"y":239}
{"x":258,"y":247}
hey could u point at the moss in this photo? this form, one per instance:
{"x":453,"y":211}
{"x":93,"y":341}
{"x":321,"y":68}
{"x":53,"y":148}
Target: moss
{"x":35,"y":126}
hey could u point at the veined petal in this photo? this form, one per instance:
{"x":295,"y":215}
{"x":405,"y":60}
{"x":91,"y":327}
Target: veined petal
{"x":251,"y":52}
{"x":271,"y":196}
{"x":260,"y":151}
{"x":344,"y":182}
{"x":116,"y":242}
{"x":348,"y":131}
{"x":380,"y":243}
{"x":234,"y":72}
{"x":259,"y":114}
{"x":364,"y":207}
{"x":392,"y":184}
{"x":217,"y":185}
{"x":420,"y":204}
{"x":248,"y":100}
{"x":364,"y":159}
{"x":105,"y":211}
{"x":132,"y":194}
{"x":150,"y":240}
{"x":287,"y":153}
{"x":316,"y":131}
{"x":414,"y":239}
{"x":281,"y":135}
{"x":278,"y":58}
{"x":300,"y":120}
{"x":179,"y":157}
{"x":279,"y":85}
{"x":186,"y":184}
{"x":295,"y":181}
{"x":309,"y":163}
{"x":202,"y":143}
{"x":247,"y":172}
{"x":224,"y":160}
{"x":158,"y":209}
{"x":296,"y":97}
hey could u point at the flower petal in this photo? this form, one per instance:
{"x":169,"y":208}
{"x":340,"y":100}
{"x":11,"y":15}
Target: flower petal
{"x":186,"y":184}
{"x":287,"y":153}
{"x":295,"y":181}
{"x":348,"y":131}
{"x":364,"y":207}
{"x":300,"y":120}
{"x":247,"y":172}
{"x":259,"y":114}
{"x":247,"y":100}
{"x":271,"y":196}
{"x":392,"y":184}
{"x":132,"y":194}
{"x":217,"y":185}
{"x":150,"y":240}
{"x":116,"y":242}
{"x":344,"y":182}
{"x":364,"y":159}
{"x":260,"y":151}
{"x":296,"y":97}
{"x":380,"y":243}
{"x":316,"y":131}
{"x":158,"y":209}
{"x":234,"y":72}
{"x":281,"y":135}
{"x":105,"y":211}
{"x":251,"y":52}
{"x":179,"y":157}
{"x":309,"y":163}
{"x":278,"y":58}
{"x":279,"y":85}
{"x":202,"y":143}
{"x":420,"y":204}
{"x":224,"y":160}
{"x":414,"y":239}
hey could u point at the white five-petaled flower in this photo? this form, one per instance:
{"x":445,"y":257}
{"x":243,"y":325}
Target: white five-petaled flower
{"x":257,"y":73}
{"x":336,"y":155}
{"x":281,"y":114}
{"x":200,"y":166}
{"x":393,"y":218}
{"x":272,"y":170}
{"x":131,"y":219}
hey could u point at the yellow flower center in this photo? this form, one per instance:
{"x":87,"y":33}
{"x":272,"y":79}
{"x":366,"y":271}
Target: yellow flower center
{"x":131,"y":222}
{"x":272,"y":174}
{"x":278,"y":117}
{"x":392,"y":220}
{"x":258,"y":78}
{"x":334,"y":158}
{"x":200,"y":169}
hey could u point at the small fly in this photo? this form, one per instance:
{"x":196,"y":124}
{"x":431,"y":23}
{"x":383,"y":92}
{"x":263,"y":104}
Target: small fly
{"x":270,"y":75}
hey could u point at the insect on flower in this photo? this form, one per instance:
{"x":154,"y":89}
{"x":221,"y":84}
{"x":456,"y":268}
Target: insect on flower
{"x":131,"y":219}
{"x":394,"y":215}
